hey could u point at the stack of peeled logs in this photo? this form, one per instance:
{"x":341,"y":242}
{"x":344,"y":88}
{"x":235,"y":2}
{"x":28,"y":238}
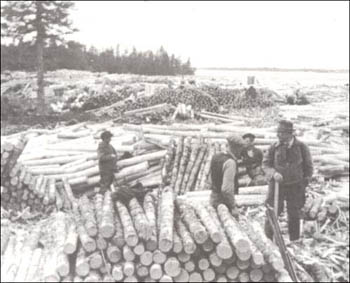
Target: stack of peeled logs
{"x":159,"y":238}
{"x":33,"y":167}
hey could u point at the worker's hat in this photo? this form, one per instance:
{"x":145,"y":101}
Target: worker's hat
{"x":235,"y":141}
{"x":249,"y":135}
{"x":285,"y":126}
{"x":106,"y":134}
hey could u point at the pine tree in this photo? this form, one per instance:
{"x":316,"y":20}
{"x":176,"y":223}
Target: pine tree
{"x":38,"y":22}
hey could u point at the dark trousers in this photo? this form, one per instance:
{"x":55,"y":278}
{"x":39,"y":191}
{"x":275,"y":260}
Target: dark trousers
{"x":294,"y":195}
{"x":106,"y":180}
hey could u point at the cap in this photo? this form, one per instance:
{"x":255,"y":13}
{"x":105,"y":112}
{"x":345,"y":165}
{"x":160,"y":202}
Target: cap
{"x":106,"y":134}
{"x":285,"y":126}
{"x":235,"y":140}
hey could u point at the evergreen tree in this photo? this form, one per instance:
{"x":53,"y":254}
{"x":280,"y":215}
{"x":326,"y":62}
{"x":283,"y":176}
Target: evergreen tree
{"x":38,"y":22}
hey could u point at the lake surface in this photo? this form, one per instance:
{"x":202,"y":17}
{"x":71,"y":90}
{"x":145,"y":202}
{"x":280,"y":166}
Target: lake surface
{"x":272,"y":78}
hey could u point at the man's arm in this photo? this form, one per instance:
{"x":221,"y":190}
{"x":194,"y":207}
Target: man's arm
{"x":228,"y":182}
{"x":268,"y":163}
{"x":259,"y":156}
{"x":102,"y":153}
{"x":307,"y":162}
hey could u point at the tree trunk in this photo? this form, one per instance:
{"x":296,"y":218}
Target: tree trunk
{"x":40,"y":57}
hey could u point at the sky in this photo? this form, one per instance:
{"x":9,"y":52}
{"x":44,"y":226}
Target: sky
{"x":283,"y":34}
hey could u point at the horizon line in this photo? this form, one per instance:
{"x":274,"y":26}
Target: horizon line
{"x":319,"y":70}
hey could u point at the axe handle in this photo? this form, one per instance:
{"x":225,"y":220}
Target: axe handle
{"x":276,"y":200}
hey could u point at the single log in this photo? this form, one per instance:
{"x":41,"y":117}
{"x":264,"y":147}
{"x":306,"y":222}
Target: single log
{"x":88,"y":214}
{"x":190,"y":266}
{"x":195,"y":277}
{"x":140,"y":220}
{"x":182,"y":277}
{"x":118,"y":238}
{"x":150,"y":211}
{"x":146,"y":258}
{"x":156,"y":271}
{"x":177,"y":160}
{"x":141,"y":159}
{"x":182,"y":166}
{"x":223,"y":249}
{"x":107,"y":228}
{"x":95,"y":260}
{"x":166,"y":220}
{"x":130,"y":234}
{"x":142,"y":271}
{"x":139,"y":249}
{"x":159,"y":257}
{"x":128,"y":254}
{"x":93,"y":276}
{"x":198,"y":231}
{"x":117,"y":272}
{"x":172,"y":267}
{"x":129,"y":269}
{"x":235,"y":234}
{"x":113,"y":253}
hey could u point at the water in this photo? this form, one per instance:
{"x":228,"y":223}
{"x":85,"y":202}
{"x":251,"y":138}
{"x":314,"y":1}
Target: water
{"x":273,"y":78}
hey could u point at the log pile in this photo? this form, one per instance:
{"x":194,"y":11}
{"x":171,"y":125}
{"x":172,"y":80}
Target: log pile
{"x":36,"y":176}
{"x":155,"y":239}
{"x":240,"y":98}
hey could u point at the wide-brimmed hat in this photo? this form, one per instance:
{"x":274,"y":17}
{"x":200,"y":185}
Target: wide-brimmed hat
{"x":285,"y":126}
{"x":106,"y":134}
{"x":249,"y":135}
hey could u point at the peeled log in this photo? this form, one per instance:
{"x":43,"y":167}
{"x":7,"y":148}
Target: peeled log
{"x":140,"y":220}
{"x":223,"y":249}
{"x":237,"y":237}
{"x":82,"y":267}
{"x":166,"y":220}
{"x":188,"y":243}
{"x":130,"y":234}
{"x":107,"y":228}
{"x":172,"y":267}
{"x":118,"y":238}
{"x":88,"y":214}
{"x":141,"y":159}
{"x":208,"y":222}
{"x":189,"y":217}
{"x":179,"y":150}
{"x":70,"y":245}
{"x":150,"y":211}
{"x":131,"y":170}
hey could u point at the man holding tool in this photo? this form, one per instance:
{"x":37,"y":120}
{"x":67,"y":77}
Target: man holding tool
{"x":288,"y":166}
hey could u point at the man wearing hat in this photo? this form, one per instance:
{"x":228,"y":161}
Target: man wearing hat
{"x":289,"y":163}
{"x":224,"y":177}
{"x":107,"y":157}
{"x":252,"y":159}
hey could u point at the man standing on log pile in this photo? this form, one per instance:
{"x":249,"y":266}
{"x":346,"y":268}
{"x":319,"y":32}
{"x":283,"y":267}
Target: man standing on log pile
{"x":224,"y":174}
{"x":107,"y":158}
{"x":289,"y":163}
{"x":252,"y":159}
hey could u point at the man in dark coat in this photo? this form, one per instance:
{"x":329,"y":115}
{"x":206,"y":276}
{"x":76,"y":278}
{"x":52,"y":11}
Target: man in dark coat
{"x":224,"y":177}
{"x":289,"y":163}
{"x":252,"y":159}
{"x":107,"y":157}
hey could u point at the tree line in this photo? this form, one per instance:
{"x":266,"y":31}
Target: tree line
{"x":74,"y":55}
{"x":38,"y":30}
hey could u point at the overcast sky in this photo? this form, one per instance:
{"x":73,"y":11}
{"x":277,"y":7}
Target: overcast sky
{"x":223,"y":34}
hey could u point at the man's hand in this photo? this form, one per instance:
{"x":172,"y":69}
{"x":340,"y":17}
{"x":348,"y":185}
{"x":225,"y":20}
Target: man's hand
{"x":235,"y":213}
{"x":278,"y":177}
